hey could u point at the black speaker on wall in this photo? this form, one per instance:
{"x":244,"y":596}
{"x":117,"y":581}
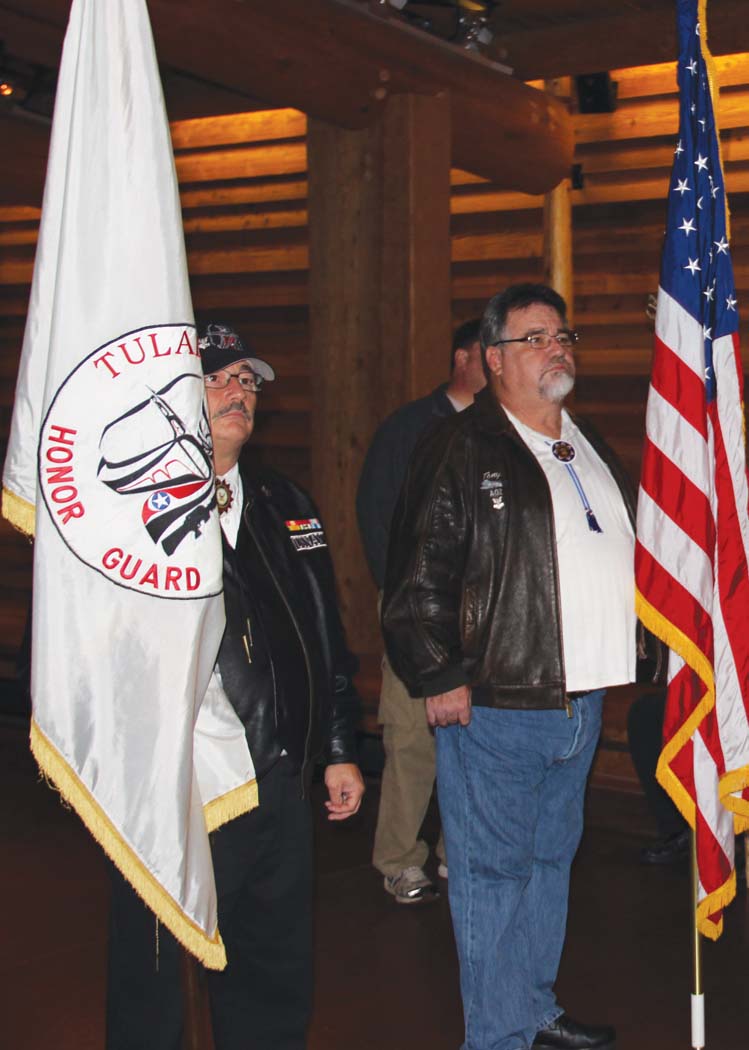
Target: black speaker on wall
{"x":596,"y":93}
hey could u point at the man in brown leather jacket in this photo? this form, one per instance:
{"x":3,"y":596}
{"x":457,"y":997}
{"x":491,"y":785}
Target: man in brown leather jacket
{"x":509,"y":606}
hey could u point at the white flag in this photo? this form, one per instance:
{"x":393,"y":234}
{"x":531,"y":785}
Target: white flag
{"x":110,"y":465}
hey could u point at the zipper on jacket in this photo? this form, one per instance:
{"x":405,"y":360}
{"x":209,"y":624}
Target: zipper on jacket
{"x":567,"y":704}
{"x":299,"y":636}
{"x":248,"y":642}
{"x":555,"y":559}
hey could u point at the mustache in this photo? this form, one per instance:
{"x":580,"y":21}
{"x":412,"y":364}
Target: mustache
{"x":564,"y":362}
{"x":233,"y":406}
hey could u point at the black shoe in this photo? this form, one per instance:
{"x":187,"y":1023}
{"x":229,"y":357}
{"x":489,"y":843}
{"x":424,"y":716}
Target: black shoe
{"x":668,"y":850}
{"x":566,"y":1034}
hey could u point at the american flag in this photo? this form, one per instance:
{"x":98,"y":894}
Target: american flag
{"x":692,"y":553}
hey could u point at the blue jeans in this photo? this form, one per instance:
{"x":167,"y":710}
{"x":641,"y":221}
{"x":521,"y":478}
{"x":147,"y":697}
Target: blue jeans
{"x":511,"y":787}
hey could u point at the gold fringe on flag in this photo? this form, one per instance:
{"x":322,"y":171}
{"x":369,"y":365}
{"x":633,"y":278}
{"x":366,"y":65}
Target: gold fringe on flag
{"x":735,"y":780}
{"x":233,"y":804}
{"x":210,"y":950}
{"x":19,"y":512}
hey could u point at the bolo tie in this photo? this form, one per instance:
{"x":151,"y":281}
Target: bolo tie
{"x":565,"y":453}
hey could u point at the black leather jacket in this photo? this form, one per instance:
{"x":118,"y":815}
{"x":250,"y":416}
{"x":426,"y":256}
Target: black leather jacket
{"x":292,"y":631}
{"x":472,"y":588}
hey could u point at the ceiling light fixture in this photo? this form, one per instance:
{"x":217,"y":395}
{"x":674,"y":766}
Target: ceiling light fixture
{"x":474,"y":33}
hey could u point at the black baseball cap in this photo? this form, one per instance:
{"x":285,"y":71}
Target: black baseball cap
{"x":220,"y":346}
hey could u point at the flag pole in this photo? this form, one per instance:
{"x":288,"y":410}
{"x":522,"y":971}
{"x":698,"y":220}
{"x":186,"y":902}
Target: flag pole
{"x":692,"y":551}
{"x":698,"y":998}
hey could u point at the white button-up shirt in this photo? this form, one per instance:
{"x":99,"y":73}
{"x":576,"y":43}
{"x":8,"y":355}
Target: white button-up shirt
{"x":596,"y":569}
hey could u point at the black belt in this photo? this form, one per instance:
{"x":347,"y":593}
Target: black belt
{"x":576,"y":696}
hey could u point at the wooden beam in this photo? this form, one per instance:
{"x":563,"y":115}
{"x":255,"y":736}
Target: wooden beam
{"x":633,"y":186}
{"x":467,"y":246}
{"x":286,"y":54}
{"x":660,"y":79}
{"x":273,"y":190}
{"x":24,"y":163}
{"x":16,"y":237}
{"x":249,"y":193}
{"x":339,"y":62}
{"x":557,"y":225}
{"x":645,"y":118}
{"x":629,"y":156}
{"x":284,"y":290}
{"x":638,"y":80}
{"x":262,"y":126}
{"x":415,"y":301}
{"x":291,"y":253}
{"x":252,"y":162}
{"x":379,"y":304}
{"x":346,"y":209}
{"x":593,"y":44}
{"x":596,"y":277}
{"x":188,"y":97}
{"x":245,"y":220}
{"x":34,"y":35}
{"x":35,"y":39}
{"x":19,"y":213}
{"x":27,"y":145}
{"x":255,"y":259}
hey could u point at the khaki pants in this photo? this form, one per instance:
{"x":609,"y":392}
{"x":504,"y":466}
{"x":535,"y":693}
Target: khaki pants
{"x":407,"y":779}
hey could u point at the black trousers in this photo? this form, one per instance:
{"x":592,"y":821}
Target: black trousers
{"x":645,"y":733}
{"x":262,"y":1000}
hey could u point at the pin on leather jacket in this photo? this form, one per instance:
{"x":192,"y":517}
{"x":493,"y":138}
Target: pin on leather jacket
{"x":472,"y":583}
{"x":319,"y":720}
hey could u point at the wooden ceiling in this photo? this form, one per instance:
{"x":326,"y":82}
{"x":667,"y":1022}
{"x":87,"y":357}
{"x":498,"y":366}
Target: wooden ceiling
{"x":340,"y":59}
{"x":551,"y":38}
{"x":537,"y":38}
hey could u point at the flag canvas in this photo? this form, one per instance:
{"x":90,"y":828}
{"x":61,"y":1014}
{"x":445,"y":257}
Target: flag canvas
{"x":110,"y":468}
{"x":692,"y":552}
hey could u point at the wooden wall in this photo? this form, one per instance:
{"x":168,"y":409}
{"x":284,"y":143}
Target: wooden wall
{"x":243,"y":181}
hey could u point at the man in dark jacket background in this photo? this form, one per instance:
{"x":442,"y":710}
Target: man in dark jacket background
{"x":408,"y":775}
{"x":509,"y":606}
{"x":285,"y":670}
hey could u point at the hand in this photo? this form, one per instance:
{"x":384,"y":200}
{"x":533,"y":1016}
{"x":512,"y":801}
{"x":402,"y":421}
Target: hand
{"x":345,"y":788}
{"x":446,"y":709}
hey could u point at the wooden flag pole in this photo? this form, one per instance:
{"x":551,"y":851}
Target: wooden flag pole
{"x":558,"y":223}
{"x":698,"y":999}
{"x":197,"y":1031}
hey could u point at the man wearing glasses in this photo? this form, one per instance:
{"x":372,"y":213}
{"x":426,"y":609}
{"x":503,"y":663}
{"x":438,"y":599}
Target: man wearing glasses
{"x":509,"y":606}
{"x":284,"y":667}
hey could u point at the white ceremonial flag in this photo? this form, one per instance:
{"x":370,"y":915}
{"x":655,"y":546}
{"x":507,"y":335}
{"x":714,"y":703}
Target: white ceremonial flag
{"x":110,"y":467}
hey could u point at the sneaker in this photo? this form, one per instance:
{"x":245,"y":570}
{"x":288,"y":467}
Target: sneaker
{"x":442,"y":871}
{"x":411,"y":886}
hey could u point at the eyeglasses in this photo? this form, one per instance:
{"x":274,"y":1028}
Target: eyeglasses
{"x":543,"y":340}
{"x":248,"y":380}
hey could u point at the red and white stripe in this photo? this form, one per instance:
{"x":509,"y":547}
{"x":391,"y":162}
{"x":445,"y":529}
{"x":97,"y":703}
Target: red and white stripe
{"x":692,"y":572}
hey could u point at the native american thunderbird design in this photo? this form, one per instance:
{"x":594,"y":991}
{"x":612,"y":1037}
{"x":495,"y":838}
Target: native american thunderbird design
{"x":172,"y":465}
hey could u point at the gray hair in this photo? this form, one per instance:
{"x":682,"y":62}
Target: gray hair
{"x":514,"y":297}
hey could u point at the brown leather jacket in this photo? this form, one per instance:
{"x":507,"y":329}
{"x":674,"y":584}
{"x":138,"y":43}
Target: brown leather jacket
{"x":472,"y":585}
